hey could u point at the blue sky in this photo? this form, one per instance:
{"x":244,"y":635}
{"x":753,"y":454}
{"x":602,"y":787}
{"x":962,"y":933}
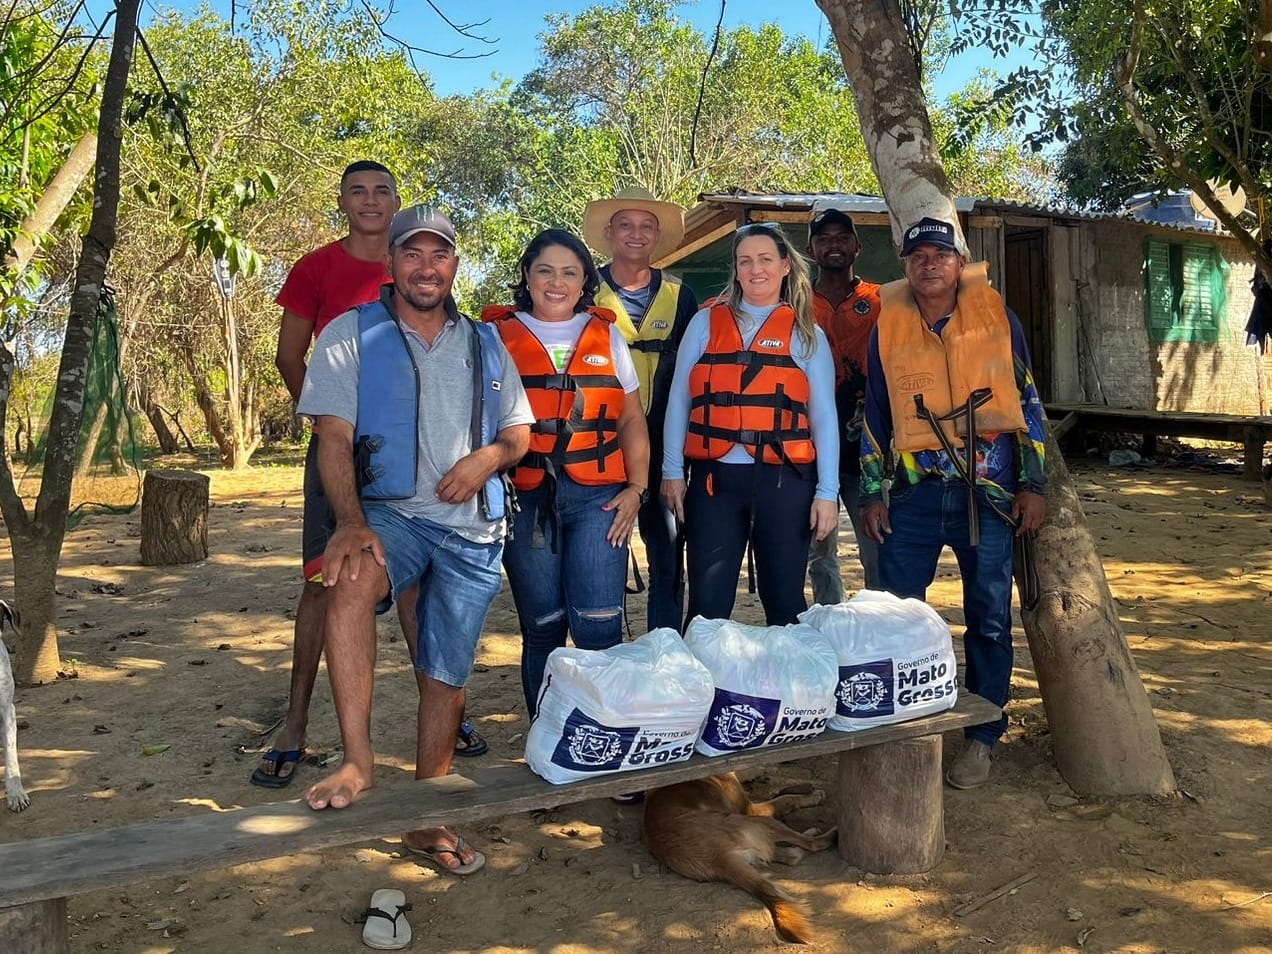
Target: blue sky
{"x":514,"y":25}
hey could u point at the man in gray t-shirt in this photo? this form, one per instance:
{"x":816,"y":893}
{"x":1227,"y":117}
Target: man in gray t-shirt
{"x":440,"y":536}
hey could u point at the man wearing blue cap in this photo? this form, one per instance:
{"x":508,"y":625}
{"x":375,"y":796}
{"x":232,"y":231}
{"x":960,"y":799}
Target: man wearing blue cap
{"x":952,"y":454}
{"x":420,"y":411}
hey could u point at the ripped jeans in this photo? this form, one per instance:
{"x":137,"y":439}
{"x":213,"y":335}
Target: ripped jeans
{"x":578,"y":589}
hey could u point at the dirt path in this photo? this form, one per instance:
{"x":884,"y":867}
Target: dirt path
{"x":196,"y":658}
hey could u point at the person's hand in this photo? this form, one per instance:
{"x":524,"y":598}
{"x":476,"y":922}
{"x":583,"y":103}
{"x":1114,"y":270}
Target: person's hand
{"x":823,"y":517}
{"x":466,"y":476}
{"x":673,"y":495}
{"x":625,"y":504}
{"x":347,"y":549}
{"x":1030,"y":509}
{"x":875,"y":521}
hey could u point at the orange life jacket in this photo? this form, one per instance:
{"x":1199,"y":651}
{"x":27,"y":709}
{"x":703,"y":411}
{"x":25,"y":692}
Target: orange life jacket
{"x":973,"y":352}
{"x":576,"y":411}
{"x":755,"y":396}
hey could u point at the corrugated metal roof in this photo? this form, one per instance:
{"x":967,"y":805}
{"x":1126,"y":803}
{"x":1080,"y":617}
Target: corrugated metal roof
{"x":858,"y":203}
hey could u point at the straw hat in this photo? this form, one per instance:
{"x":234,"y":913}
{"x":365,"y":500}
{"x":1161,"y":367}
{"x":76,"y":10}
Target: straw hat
{"x":671,"y":219}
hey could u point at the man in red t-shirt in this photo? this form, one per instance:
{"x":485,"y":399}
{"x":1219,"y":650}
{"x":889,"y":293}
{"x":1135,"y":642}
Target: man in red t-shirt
{"x":847,"y":309}
{"x":325,"y":283}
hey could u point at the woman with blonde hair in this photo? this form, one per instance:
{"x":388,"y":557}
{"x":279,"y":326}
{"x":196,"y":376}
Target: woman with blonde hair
{"x":752,"y":411}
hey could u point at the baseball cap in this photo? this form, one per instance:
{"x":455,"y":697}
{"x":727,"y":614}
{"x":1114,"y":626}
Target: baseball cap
{"x":928,"y":231}
{"x":825,"y":215}
{"x":417,"y":219}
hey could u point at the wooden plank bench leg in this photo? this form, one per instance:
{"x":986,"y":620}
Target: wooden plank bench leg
{"x":36,"y":928}
{"x":891,"y":807}
{"x":1148,"y":448}
{"x":1253,"y":465}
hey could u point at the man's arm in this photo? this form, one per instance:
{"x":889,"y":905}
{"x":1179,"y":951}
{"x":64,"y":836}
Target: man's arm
{"x":294,"y":336}
{"x":1031,"y":445}
{"x":876,"y":432}
{"x":633,"y":438}
{"x":352,"y":539}
{"x":470,"y":473}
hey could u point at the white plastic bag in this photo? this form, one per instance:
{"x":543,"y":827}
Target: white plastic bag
{"x":773,"y":684}
{"x":896,"y":659}
{"x":616,"y":710}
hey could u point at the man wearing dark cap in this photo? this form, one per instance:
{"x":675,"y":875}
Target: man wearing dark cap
{"x":952,"y":454}
{"x":846,"y":307}
{"x":323,"y":284}
{"x":419,"y":412}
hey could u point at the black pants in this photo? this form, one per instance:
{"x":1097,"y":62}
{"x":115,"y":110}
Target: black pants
{"x":728,"y":505}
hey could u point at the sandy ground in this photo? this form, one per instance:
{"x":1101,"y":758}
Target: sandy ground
{"x":197,"y":657}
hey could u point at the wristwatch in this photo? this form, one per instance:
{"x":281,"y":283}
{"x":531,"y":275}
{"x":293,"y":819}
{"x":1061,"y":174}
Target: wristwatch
{"x":641,"y":492}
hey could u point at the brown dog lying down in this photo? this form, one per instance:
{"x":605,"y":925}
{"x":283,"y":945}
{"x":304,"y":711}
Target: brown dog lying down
{"x":709,"y":830}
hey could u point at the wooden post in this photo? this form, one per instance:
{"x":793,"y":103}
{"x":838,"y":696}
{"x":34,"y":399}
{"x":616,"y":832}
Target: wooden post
{"x":1253,"y":466}
{"x":36,"y":928}
{"x":174,"y":517}
{"x":891,"y":808}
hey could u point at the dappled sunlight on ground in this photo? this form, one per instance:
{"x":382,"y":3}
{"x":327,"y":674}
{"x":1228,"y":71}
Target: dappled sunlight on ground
{"x":197,"y":658}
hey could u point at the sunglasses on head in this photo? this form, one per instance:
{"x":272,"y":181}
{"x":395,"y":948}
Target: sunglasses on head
{"x":771,"y":229}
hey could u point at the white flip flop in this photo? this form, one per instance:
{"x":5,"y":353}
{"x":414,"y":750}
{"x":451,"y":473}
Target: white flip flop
{"x":386,"y":927}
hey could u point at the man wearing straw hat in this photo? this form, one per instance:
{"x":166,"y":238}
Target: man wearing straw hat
{"x":653,"y":308}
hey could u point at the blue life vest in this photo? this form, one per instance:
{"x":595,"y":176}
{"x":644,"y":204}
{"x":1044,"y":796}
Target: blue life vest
{"x":386,"y":437}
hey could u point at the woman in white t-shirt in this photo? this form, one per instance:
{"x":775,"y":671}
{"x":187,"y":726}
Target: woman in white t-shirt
{"x":586,"y":473}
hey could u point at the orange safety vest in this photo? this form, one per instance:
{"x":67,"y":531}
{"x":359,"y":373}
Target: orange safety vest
{"x":757,"y":396}
{"x":576,"y":410}
{"x":972,"y":352}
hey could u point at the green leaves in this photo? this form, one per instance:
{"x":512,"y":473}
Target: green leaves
{"x":212,"y":236}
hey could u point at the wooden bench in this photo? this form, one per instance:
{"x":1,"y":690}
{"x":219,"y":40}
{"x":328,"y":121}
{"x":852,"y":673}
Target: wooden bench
{"x":891,"y":819}
{"x":1251,"y":432}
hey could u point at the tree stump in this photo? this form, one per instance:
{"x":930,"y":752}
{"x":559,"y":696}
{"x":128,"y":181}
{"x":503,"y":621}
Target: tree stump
{"x":174,"y":517}
{"x":36,"y":928}
{"x":891,"y":808}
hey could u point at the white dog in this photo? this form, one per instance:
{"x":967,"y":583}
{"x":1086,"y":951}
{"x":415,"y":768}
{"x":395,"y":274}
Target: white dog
{"x":14,"y":794}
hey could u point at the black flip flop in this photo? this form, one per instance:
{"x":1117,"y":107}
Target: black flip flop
{"x":273,"y":779}
{"x":472,"y":745}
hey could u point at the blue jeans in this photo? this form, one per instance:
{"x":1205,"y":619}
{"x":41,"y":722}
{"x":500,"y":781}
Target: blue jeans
{"x":867,"y":549}
{"x":665,"y":554}
{"x":933,"y":514}
{"x":823,"y":556}
{"x":576,"y":588}
{"x":458,"y":581}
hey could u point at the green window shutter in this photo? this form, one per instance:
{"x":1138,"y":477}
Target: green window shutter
{"x":1185,"y":291}
{"x":1159,"y":290}
{"x":1218,"y":279}
{"x":1196,"y":310}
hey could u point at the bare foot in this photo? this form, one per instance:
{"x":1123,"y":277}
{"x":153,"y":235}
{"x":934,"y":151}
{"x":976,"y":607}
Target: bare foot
{"x":340,"y":788}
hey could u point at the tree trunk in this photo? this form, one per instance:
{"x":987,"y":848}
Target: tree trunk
{"x":884,"y":77}
{"x":174,"y":517}
{"x":52,"y":202}
{"x":207,"y":404}
{"x":1263,"y":41}
{"x":244,"y":438}
{"x":1106,"y":739}
{"x":154,"y":413}
{"x":40,"y":538}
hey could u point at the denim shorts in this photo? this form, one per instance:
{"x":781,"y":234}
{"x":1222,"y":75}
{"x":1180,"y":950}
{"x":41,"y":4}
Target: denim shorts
{"x":458,"y":581}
